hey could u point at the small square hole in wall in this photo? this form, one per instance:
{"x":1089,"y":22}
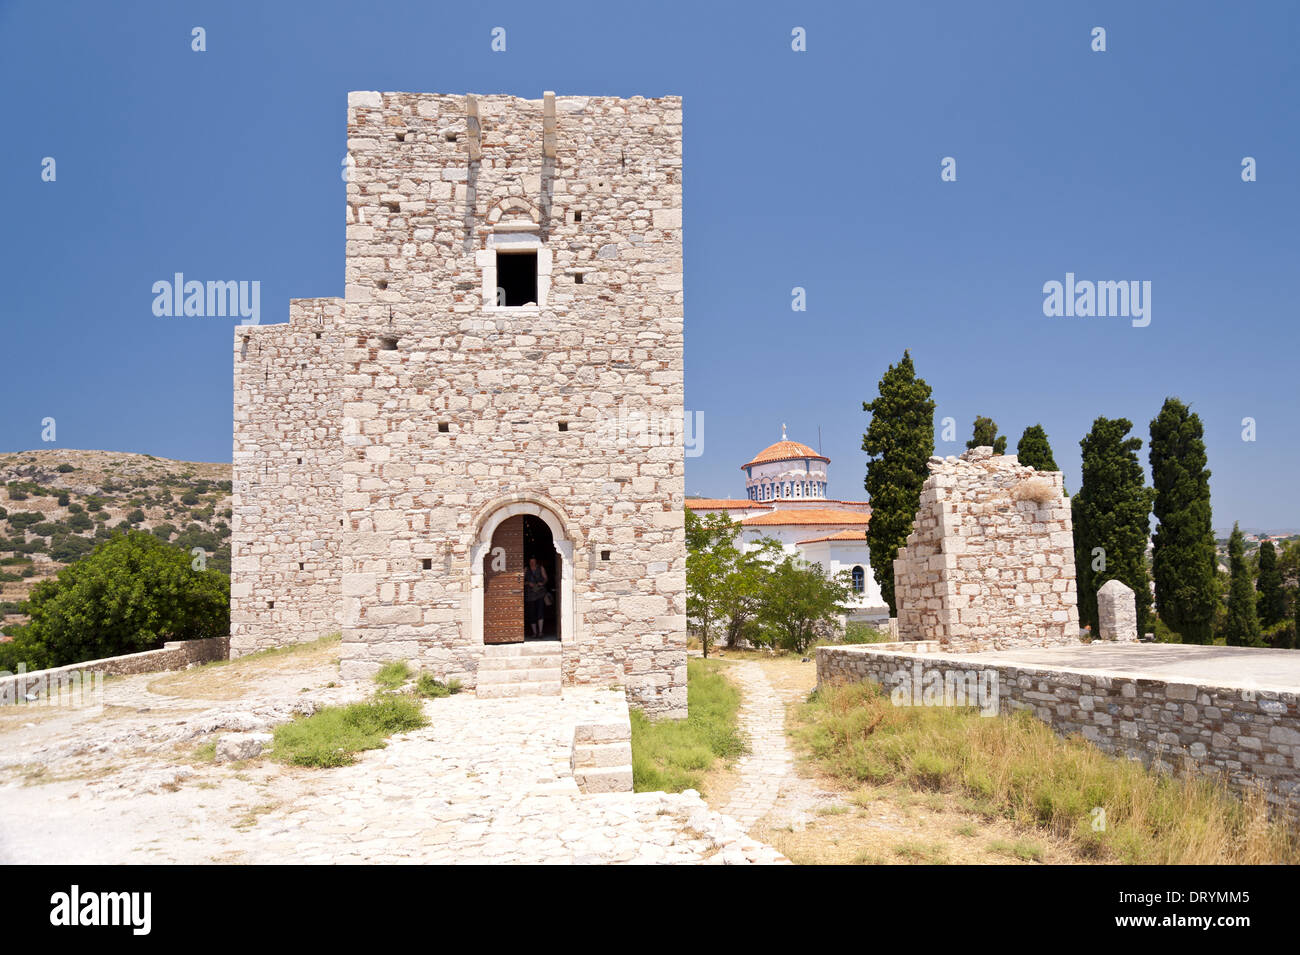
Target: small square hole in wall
{"x":577,"y":278}
{"x":317,"y":336}
{"x":604,"y":555}
{"x":300,"y":460}
{"x":388,"y":344}
{"x":564,"y":426}
{"x":444,"y":426}
{"x":449,"y":137}
{"x":401,"y":137}
{"x":577,"y":215}
{"x":427,"y":563}
{"x":270,"y":605}
{"x":301,"y":565}
{"x":381,"y":284}
{"x":391,"y":206}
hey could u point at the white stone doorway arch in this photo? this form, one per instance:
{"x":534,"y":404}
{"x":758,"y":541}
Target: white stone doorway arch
{"x":496,"y":515}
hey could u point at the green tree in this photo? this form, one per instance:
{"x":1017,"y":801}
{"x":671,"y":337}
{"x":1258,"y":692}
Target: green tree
{"x":800,"y":603}
{"x":986,"y":436}
{"x":743,"y":587}
{"x":1111,"y":516}
{"x":1034,"y":451}
{"x":1271,"y":602}
{"x":1183,"y":560}
{"x":1241,"y":629}
{"x":133,"y":593}
{"x":711,"y":555}
{"x":899,"y":442}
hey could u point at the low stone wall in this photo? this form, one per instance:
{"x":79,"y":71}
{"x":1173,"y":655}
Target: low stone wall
{"x":1251,"y":736}
{"x":173,"y":656}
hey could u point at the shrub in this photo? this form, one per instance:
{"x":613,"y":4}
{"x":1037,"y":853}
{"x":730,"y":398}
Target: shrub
{"x":79,"y":522}
{"x":94,"y":504}
{"x":65,"y":469}
{"x":64,"y":499}
{"x":132,"y":593}
{"x":189,"y":499}
{"x":135,"y":517}
{"x":75,"y":508}
{"x":71,"y":548}
{"x":1038,"y":490}
{"x":857,"y":632}
{"x":392,"y":675}
{"x":16,"y":493}
{"x":435,"y":689}
{"x":47,"y":528}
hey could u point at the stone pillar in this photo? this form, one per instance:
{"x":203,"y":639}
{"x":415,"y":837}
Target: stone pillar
{"x":1116,"y":612}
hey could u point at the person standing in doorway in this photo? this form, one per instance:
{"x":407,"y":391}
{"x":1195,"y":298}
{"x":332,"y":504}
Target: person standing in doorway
{"x":535,"y":581}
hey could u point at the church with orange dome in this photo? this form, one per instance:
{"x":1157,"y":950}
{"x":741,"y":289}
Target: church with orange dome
{"x":787,"y":498}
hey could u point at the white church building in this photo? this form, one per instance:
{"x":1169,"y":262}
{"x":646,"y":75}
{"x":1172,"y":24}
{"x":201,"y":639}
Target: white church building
{"x":786,"y":498}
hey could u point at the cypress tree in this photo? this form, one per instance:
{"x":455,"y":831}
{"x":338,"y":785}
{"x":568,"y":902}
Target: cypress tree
{"x":1111,"y":514}
{"x":1272,"y":598}
{"x":986,"y":436}
{"x":899,"y":442}
{"x":1184,"y":563}
{"x":1034,"y":451}
{"x":1241,"y":629}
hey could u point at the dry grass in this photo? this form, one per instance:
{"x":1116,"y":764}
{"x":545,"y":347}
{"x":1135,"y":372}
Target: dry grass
{"x":1017,"y":770}
{"x":1038,"y":490}
{"x":230,"y":679}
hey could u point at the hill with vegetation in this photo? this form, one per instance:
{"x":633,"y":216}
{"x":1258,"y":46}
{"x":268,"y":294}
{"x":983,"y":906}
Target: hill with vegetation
{"x":57,"y":504}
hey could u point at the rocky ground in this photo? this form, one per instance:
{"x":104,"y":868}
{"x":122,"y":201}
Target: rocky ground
{"x":486,"y":781}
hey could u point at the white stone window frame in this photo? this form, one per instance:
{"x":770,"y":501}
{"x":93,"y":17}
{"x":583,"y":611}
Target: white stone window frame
{"x":514,"y":237}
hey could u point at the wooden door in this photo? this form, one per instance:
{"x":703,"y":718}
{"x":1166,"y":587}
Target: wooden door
{"x":503,"y":584}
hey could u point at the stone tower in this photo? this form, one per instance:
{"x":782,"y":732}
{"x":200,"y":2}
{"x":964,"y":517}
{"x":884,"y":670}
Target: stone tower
{"x":513,"y":291}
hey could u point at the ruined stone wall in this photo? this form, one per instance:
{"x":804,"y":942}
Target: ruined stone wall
{"x":453,"y":406}
{"x":286,"y":527}
{"x":990,"y":560}
{"x":1251,"y":736}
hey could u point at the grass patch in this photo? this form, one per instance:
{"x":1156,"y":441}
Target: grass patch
{"x":1023,"y":849}
{"x":1016,"y":768}
{"x":427,"y":686}
{"x":858,"y":632}
{"x":333,"y":736}
{"x":672,"y":755}
{"x":392,"y":675}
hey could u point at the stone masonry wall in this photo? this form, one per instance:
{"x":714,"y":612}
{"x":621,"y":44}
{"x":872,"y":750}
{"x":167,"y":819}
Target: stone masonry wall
{"x":453,"y":406}
{"x":1251,"y":736}
{"x":287,"y":520}
{"x":990,"y":560}
{"x":173,"y":655}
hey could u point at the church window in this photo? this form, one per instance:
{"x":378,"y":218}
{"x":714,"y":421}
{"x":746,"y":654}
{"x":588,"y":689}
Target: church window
{"x":859,"y":579}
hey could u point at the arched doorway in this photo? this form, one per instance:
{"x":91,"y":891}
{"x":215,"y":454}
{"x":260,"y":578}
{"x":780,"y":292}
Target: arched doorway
{"x":507,"y":538}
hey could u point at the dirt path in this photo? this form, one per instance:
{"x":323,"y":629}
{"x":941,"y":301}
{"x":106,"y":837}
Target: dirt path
{"x":813,"y":818}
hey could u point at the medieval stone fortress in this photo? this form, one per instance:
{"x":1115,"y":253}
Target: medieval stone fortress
{"x":513,"y":282}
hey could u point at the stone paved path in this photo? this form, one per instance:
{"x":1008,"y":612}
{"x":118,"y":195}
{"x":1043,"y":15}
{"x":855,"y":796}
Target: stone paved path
{"x":487,"y":781}
{"x":769,"y":763}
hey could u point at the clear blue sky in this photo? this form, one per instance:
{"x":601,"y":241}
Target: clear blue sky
{"x":817,"y":169}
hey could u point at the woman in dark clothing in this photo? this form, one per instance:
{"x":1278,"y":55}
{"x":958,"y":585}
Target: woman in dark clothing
{"x":534,"y":597}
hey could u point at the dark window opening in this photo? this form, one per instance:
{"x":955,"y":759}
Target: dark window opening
{"x":517,"y":278}
{"x":301,"y":565}
{"x":604,"y":555}
{"x":391,"y":206}
{"x":577,"y":216}
{"x":577,"y":278}
{"x":317,"y":336}
{"x":388,"y":344}
{"x":270,"y":605}
{"x":401,"y":137}
{"x":381,"y":284}
{"x":564,"y":426}
{"x":450,"y":137}
{"x":427,"y":563}
{"x":444,"y":426}
{"x":300,"y":460}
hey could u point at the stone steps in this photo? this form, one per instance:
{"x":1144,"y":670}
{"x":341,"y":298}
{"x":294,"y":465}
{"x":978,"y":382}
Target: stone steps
{"x":511,"y":670}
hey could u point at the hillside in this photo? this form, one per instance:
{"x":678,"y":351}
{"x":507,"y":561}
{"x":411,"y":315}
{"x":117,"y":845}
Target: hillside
{"x":56,"y":504}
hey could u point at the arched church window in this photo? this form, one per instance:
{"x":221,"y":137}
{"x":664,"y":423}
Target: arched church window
{"x":859,"y":579}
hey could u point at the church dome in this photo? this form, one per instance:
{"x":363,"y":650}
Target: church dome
{"x":785,"y":451}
